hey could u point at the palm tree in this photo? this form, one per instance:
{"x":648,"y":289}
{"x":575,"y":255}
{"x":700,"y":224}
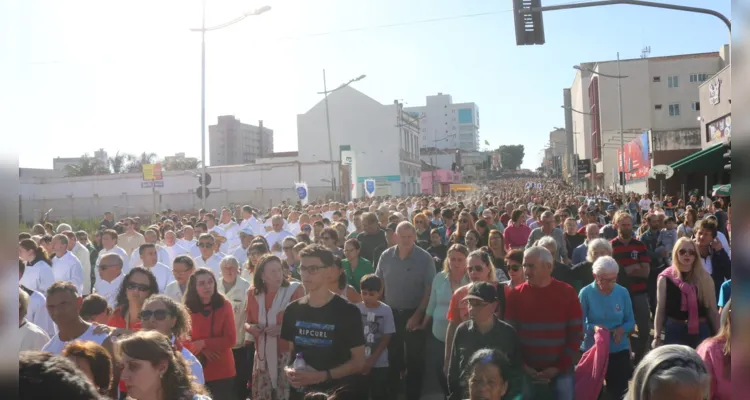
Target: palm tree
{"x":87,"y":166}
{"x":136,"y":163}
{"x":181,"y":164}
{"x":118,"y":162}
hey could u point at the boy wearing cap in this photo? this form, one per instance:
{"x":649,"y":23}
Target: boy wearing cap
{"x":482,"y":331}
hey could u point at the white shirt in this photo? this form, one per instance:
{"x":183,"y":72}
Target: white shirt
{"x":161,"y":256}
{"x":56,"y":346}
{"x":174,"y":292}
{"x":238,"y":297}
{"x":109,"y":290}
{"x":255,"y":225}
{"x":84,"y":256}
{"x":224,"y":248}
{"x":212,"y":263}
{"x":294,"y":228}
{"x":274,"y":237}
{"x":31,"y":337}
{"x":174,"y":252}
{"x":37,"y":313}
{"x":248,"y":224}
{"x":187,"y":244}
{"x":116,"y":250}
{"x":68,"y":269}
{"x":195,"y":251}
{"x":240,"y":254}
{"x":268,"y":226}
{"x":644,"y":204}
{"x":232,"y":233}
{"x":38,"y":276}
{"x":163,"y":275}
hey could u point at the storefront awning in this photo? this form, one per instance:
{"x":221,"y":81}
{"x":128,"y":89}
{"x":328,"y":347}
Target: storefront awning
{"x":706,"y":160}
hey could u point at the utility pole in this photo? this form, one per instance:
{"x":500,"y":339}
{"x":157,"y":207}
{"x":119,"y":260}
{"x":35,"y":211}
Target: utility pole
{"x":622,"y":134}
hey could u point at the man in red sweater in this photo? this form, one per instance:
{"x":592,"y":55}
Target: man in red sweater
{"x":547,"y":316}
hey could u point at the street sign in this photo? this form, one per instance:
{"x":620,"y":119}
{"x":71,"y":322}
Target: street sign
{"x":208,"y":179}
{"x":665,"y":170}
{"x":152,"y":184}
{"x":152,"y":172}
{"x":199,"y":192}
{"x":584,"y":167}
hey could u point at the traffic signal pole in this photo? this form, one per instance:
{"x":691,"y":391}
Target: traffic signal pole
{"x":533,"y":10}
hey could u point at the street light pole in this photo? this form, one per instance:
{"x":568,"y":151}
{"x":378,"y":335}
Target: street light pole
{"x":622,"y":133}
{"x":203,"y":107}
{"x":203,"y":29}
{"x":330,"y":144}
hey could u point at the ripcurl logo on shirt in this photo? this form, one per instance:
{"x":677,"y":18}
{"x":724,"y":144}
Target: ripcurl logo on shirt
{"x":314,"y":334}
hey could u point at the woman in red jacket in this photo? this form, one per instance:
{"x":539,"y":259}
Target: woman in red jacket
{"x":213,"y":333}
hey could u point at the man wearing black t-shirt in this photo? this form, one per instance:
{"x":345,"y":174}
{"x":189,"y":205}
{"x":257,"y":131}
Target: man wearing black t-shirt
{"x":326,"y":329}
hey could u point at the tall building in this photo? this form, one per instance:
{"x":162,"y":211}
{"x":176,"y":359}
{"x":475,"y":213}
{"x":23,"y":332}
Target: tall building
{"x":231,"y":142}
{"x":659,"y":94}
{"x":447,"y":125}
{"x":382,"y":139}
{"x":61,"y":163}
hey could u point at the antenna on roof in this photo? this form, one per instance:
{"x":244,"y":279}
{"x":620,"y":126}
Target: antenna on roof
{"x":645,"y":51}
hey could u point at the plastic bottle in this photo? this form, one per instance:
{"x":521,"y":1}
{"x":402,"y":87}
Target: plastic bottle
{"x":299,"y":363}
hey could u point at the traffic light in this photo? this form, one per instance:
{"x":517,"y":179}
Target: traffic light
{"x":529,"y":26}
{"x":728,"y":156}
{"x":202,"y":190}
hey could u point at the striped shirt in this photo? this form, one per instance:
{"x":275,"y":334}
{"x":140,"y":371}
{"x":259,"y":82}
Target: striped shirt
{"x":634,"y":252}
{"x":549,"y":323}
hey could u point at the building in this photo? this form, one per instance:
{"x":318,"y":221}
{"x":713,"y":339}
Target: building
{"x":382,"y":142}
{"x":447,"y":125}
{"x":62,"y":163}
{"x":231,"y":142}
{"x":660,"y":96}
{"x":179,"y":158}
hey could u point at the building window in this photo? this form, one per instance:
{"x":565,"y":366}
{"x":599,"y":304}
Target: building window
{"x":657,"y":79}
{"x":694,"y":78}
{"x":657,"y":107}
{"x":673,"y":82}
{"x":674,"y":110}
{"x":695,"y":106}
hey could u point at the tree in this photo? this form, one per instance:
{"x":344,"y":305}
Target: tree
{"x":118,"y":162}
{"x":136,"y":163}
{"x":87,"y":166}
{"x":181,"y":164}
{"x":511,"y":156}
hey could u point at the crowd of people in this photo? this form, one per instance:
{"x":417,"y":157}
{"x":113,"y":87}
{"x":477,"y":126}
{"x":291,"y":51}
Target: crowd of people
{"x":511,"y":292}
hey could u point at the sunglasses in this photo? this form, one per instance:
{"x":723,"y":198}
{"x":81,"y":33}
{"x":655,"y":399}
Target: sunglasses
{"x":205,"y":245}
{"x":514,"y":267}
{"x":311,"y":269}
{"x":138,"y":286}
{"x":159,"y":315}
{"x":477,"y":268}
{"x":683,"y":252}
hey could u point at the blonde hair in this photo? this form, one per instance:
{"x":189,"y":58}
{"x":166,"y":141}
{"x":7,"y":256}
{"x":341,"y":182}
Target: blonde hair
{"x":620,"y":215}
{"x":456,"y":247}
{"x":697,"y":276}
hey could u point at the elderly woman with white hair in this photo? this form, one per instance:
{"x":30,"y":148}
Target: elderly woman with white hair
{"x":670,"y":372}
{"x":606,"y":305}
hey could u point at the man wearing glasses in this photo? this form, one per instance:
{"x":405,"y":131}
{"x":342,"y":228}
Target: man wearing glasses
{"x":208,"y":258}
{"x":110,"y":278}
{"x":482,"y":331}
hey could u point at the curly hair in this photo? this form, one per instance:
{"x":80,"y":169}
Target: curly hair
{"x":121,"y":302}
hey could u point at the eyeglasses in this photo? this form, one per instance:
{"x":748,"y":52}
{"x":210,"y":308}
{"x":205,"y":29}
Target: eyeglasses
{"x":311,"y":269}
{"x":138,"y":286}
{"x":514,"y":267}
{"x":477,"y":268}
{"x":159,"y":315}
{"x":683,"y":252}
{"x":206,"y":245}
{"x":474,"y":303}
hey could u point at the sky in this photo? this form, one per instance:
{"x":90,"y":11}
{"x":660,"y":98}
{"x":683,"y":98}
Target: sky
{"x":79,"y":75}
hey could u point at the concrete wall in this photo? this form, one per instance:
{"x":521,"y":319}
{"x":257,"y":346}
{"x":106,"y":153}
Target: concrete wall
{"x":89,"y":197}
{"x":713,"y":112}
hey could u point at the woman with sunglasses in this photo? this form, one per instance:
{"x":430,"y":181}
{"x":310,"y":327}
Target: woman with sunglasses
{"x":686,"y":309}
{"x":170,"y":318}
{"x":138,"y":285}
{"x":514,"y":262}
{"x":266,"y":301}
{"x":479,"y":269}
{"x":213,"y":332}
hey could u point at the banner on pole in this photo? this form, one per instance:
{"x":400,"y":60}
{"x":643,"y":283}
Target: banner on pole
{"x":370,"y":187}
{"x":302,"y":192}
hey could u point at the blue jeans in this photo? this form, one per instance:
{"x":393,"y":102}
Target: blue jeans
{"x":676,"y":332}
{"x":561,"y":387}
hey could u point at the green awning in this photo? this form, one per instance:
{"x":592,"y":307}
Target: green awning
{"x":706,"y":160}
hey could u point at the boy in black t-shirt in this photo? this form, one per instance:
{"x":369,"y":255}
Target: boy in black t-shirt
{"x":326,"y":329}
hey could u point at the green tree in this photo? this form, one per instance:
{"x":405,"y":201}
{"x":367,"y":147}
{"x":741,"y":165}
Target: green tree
{"x":183,"y":164}
{"x":87,"y":166}
{"x":511,"y":156}
{"x":119,"y":162}
{"x":136,"y":163}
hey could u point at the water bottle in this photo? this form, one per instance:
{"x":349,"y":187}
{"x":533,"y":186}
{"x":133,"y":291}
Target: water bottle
{"x":299,"y":365}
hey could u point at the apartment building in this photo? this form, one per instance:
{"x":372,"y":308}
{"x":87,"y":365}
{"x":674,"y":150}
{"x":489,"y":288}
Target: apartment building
{"x":447,"y":125}
{"x":231,"y":142}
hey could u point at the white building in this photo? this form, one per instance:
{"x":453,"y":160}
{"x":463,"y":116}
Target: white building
{"x":660,"y":94}
{"x":447,"y":125}
{"x":383,"y":138}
